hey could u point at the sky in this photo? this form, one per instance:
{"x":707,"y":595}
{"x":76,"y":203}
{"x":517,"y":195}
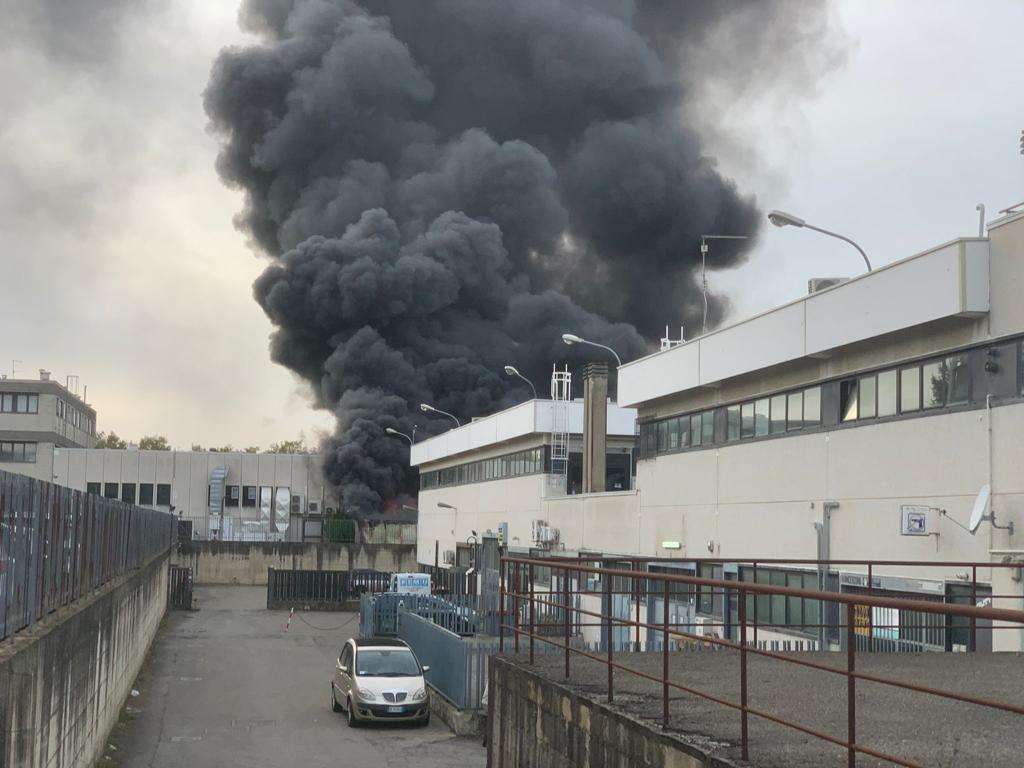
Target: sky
{"x":121,"y":265}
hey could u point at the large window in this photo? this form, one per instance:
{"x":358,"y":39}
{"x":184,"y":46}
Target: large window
{"x":93,"y":488}
{"x":163,"y":495}
{"x":518,"y":464}
{"x":793,"y":613}
{"x":110,"y":490}
{"x":248,"y":495}
{"x":232,"y":494}
{"x":16,"y":402}
{"x":146,"y":494}
{"x":22,"y":453}
{"x":128,"y":493}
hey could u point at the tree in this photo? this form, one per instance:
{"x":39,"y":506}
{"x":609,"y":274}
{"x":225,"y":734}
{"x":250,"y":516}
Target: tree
{"x":197,"y":447}
{"x":290,"y":446}
{"x":154,"y":443}
{"x":223,"y":449}
{"x":110,"y":440}
{"x":253,"y":449}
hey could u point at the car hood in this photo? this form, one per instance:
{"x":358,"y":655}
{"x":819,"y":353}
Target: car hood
{"x":381,"y":685}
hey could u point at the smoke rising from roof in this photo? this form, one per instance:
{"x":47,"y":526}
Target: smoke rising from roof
{"x":446,"y":187}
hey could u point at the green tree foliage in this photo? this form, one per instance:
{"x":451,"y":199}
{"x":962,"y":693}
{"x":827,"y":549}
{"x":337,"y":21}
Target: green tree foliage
{"x":289,"y":446}
{"x":110,"y":440}
{"x":154,"y":443}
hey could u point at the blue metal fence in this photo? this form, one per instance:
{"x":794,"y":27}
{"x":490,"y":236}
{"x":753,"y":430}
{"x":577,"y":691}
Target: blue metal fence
{"x":378,"y":613}
{"x":458,"y":665}
{"x":58,"y":544}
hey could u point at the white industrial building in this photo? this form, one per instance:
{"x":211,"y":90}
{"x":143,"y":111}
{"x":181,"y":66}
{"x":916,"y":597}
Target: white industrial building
{"x":48,"y":432}
{"x":864,"y":421}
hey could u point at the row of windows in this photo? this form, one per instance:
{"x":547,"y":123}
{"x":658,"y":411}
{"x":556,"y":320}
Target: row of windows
{"x":944,"y":382}
{"x":513,"y":465}
{"x":127,"y":494}
{"x":14,"y":402}
{"x":76,"y":418}
{"x":19,"y":452}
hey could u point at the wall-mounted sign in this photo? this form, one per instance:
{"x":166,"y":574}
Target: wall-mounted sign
{"x":913,"y":520}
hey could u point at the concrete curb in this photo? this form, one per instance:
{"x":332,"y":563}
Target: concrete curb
{"x":462,"y":722}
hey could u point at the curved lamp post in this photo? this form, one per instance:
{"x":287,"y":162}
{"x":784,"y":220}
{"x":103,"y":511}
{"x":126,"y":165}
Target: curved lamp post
{"x":783,"y":219}
{"x":572,"y":338}
{"x":426,"y":408}
{"x":510,"y":370}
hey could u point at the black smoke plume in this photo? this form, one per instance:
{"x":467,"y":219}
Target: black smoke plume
{"x":446,"y":187}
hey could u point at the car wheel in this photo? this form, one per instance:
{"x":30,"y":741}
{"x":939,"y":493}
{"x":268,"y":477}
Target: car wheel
{"x":426,"y":721}
{"x":335,"y":706}
{"x":352,"y":721}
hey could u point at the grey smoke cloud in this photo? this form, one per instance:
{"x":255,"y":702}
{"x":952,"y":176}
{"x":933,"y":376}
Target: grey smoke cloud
{"x":444,"y":188}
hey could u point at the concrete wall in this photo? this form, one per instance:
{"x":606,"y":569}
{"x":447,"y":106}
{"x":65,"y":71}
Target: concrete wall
{"x":63,"y":683}
{"x":535,"y":723}
{"x":246,"y":563}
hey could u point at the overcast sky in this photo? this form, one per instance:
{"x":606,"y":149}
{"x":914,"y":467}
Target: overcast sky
{"x":120,"y":263}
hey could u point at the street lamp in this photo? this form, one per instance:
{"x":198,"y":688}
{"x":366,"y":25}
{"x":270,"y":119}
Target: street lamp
{"x":783,"y":219}
{"x":510,"y":370}
{"x":395,"y":432}
{"x":572,"y":338}
{"x":431,"y":409}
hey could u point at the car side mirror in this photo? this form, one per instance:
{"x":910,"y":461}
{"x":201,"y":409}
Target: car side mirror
{"x":426,"y":669}
{"x":342,"y":668}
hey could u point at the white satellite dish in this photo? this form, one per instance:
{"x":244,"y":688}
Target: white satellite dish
{"x":980,"y":508}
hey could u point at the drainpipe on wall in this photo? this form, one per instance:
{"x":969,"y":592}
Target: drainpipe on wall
{"x":824,"y":533}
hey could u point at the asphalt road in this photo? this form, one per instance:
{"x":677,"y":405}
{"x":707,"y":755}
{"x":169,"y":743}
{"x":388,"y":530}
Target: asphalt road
{"x":225,"y":686}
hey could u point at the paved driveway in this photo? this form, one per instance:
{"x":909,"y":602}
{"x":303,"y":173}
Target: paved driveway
{"x":226,"y":686}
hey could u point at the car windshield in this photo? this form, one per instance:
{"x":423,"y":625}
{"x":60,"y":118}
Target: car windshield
{"x":387,"y":663}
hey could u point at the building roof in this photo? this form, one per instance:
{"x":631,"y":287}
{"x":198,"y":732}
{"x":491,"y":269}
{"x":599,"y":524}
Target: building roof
{"x":951,"y":280}
{"x":531,"y":417}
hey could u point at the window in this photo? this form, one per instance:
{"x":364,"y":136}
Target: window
{"x":163,"y":494}
{"x":696,"y":429}
{"x":933,"y":392}
{"x":886,"y":394}
{"x":910,"y":389}
{"x":231,"y":495}
{"x":672,"y":442}
{"x":958,"y":380}
{"x":708,"y":428}
{"x":778,"y":414}
{"x":848,"y":400}
{"x":866,"y":388}
{"x":146,"y":494}
{"x":796,"y":411}
{"x":249,"y":496}
{"x":761,"y":417}
{"x":812,"y":407}
{"x":14,"y":402}
{"x":110,"y":490}
{"x":21,"y":453}
{"x":662,"y":436}
{"x":128,"y":493}
{"x":747,"y":420}
{"x":732,"y":417}
{"x":93,"y":488}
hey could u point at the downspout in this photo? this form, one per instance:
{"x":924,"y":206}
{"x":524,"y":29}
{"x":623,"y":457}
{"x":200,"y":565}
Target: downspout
{"x":824,"y":533}
{"x":992,"y":495}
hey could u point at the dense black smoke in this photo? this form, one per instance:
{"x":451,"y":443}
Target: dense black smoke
{"x":446,"y":187}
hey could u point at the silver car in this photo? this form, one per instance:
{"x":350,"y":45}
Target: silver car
{"x":380,"y":679}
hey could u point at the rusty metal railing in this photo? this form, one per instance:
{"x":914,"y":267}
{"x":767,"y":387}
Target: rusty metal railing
{"x":521,"y":601}
{"x":58,"y":544}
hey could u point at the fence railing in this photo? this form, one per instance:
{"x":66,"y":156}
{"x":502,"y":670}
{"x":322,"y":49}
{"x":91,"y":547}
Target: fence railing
{"x":58,"y":544}
{"x":552,"y":616}
{"x":321,"y":590}
{"x":458,"y":665}
{"x":380,"y":613}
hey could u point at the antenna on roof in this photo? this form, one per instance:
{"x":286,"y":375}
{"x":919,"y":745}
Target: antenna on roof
{"x":704,"y":271}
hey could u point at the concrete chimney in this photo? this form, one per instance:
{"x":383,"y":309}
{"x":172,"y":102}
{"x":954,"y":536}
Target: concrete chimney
{"x":44,"y":375}
{"x":595,"y":427}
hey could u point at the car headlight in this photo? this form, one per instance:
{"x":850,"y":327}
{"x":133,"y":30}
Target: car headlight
{"x":420,"y":695}
{"x":364,"y":695}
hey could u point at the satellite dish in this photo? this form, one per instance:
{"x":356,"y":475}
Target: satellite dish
{"x":980,"y":507}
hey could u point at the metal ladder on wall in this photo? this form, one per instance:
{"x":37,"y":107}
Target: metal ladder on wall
{"x":561,"y":397}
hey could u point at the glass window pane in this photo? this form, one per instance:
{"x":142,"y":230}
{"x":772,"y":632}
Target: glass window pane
{"x":732,"y":417}
{"x":848,"y":399}
{"x":958,"y":389}
{"x":933,"y":378}
{"x":33,"y":403}
{"x":747,"y":420}
{"x":794,"y":605}
{"x":812,"y":407}
{"x":7,"y":403}
{"x":673,"y":434}
{"x":910,"y":389}
{"x":708,"y":428}
{"x":662,"y":436}
{"x":761,"y":417}
{"x":684,"y":431}
{"x":778,"y":414}
{"x":696,"y":430}
{"x":866,"y":397}
{"x":21,"y":404}
{"x":886,"y":394}
{"x":796,"y":411}
{"x":30,"y":451}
